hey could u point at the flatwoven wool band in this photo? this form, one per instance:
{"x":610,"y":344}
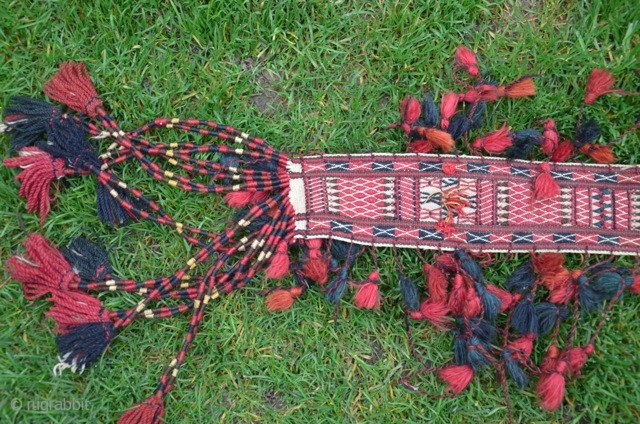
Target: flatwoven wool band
{"x":399,"y":200}
{"x":312,"y":217}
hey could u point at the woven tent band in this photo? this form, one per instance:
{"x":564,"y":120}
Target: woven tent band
{"x":399,"y":200}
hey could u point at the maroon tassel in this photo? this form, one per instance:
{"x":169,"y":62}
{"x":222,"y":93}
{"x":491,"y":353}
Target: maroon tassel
{"x":43,"y":270}
{"x":545,"y":187}
{"x":72,"y":86}
{"x":72,"y":309}
{"x":39,"y":170}
{"x":151,"y":411}
{"x":563,"y":152}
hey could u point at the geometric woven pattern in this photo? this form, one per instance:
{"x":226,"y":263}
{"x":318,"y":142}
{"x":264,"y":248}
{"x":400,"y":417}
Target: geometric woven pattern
{"x":403,"y":200}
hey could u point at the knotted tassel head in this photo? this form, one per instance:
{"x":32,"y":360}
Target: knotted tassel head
{"x":151,"y":411}
{"x":279,"y":266}
{"x":544,"y":186}
{"x":72,"y":86}
{"x":457,"y":377}
{"x":368,"y":293}
{"x":578,"y":356}
{"x":282,"y":298}
{"x":43,"y":269}
{"x":550,"y":137}
{"x":466,"y":59}
{"x":39,"y":171}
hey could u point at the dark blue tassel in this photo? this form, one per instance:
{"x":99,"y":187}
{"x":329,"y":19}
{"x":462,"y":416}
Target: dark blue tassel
{"x":523,"y":143}
{"x":476,"y":115}
{"x":521,"y":279}
{"x":483,"y":330}
{"x":344,"y":251}
{"x":608,"y":284}
{"x":476,"y":354}
{"x":27,"y":120}
{"x":514,"y":370}
{"x":87,"y":259}
{"x":430,"y":113}
{"x":587,"y":133}
{"x":459,"y":348}
{"x":109,"y":210}
{"x":458,"y":126}
{"x":524,"y":318}
{"x":83,"y":345}
{"x":548,"y":315}
{"x":471,"y":267}
{"x":337,"y":287}
{"x":67,"y":140}
{"x":491,"y":303}
{"x":409,"y":293}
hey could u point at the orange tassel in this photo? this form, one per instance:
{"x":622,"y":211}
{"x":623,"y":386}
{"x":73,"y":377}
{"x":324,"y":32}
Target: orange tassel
{"x":437,"y":138}
{"x":522,"y":88}
{"x":599,"y":83}
{"x":420,"y":146}
{"x":282,"y":299}
{"x":600,"y":154}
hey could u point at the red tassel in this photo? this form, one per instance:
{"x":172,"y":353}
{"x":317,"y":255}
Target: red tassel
{"x":466,"y":59}
{"x":547,"y":262}
{"x":282,"y":299}
{"x":449,"y":168}
{"x":551,"y":387}
{"x":635,"y":286}
{"x":368,"y":294}
{"x":565,"y":291}
{"x":447,"y":262}
{"x":151,"y":411}
{"x":315,"y":266}
{"x":458,"y":296}
{"x":410,"y":109}
{"x":457,"y":377}
{"x":279,"y":266}
{"x":436,"y":283}
{"x":72,"y":86}
{"x":550,"y":137}
{"x":435,"y":312}
{"x":599,"y":83}
{"x":39,"y":170}
{"x":72,"y":309}
{"x":578,"y":356}
{"x":420,"y":146}
{"x":43,"y":270}
{"x":238,"y":199}
{"x":563,"y":152}
{"x":521,"y":347}
{"x":505,"y":297}
{"x":545,"y":187}
{"x":521,"y":88}
{"x":473,"y":304}
{"x":483,"y":93}
{"x":448,"y":108}
{"x":600,"y":154}
{"x":495,"y":142}
{"x":437,"y":138}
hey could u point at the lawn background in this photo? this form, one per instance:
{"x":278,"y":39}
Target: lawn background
{"x":316,"y":76}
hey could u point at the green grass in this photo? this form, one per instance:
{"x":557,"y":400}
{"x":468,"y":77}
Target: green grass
{"x":307,"y":76}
